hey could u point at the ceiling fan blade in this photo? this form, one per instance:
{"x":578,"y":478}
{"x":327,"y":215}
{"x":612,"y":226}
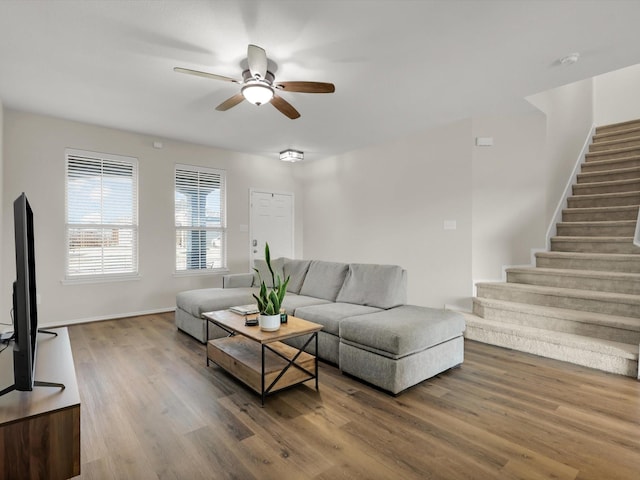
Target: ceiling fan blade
{"x":257,"y":59}
{"x":285,"y":107}
{"x":230,"y":102}
{"x":205,"y":74}
{"x":307,"y":87}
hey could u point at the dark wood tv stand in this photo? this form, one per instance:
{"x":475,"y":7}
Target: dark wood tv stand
{"x":40,"y":429}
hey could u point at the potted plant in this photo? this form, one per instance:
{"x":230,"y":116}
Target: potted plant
{"x":270,"y":299}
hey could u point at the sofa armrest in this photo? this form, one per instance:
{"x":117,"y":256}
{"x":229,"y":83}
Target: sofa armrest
{"x":236,"y":280}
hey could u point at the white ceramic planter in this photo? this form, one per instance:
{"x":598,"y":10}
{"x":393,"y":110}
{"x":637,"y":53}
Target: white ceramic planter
{"x":269,"y":323}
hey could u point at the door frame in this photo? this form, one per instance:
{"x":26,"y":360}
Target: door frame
{"x":253,"y":190}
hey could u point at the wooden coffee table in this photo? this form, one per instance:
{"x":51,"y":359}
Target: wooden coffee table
{"x":259,"y":359}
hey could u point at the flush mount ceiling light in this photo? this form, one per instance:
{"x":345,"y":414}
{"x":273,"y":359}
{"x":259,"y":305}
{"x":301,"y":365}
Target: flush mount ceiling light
{"x":257,"y":92}
{"x":570,"y":59}
{"x":290,"y":155}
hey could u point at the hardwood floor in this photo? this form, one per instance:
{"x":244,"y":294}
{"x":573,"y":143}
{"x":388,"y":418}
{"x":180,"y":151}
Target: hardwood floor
{"x":151,"y":409}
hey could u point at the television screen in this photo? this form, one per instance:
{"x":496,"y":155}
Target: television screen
{"x":25,"y":312}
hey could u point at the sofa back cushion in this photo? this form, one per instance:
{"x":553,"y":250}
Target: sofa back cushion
{"x":381,"y":286}
{"x":296,"y":270}
{"x":324,"y":279}
{"x":278,"y":269}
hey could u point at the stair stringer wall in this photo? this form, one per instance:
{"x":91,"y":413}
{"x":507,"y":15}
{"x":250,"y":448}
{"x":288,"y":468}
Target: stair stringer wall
{"x":562,"y":203}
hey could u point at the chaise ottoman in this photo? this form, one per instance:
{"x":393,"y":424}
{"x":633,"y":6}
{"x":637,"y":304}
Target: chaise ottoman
{"x":397,"y":348}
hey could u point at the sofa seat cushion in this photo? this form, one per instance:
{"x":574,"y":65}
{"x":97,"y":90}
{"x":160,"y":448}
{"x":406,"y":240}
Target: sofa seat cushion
{"x":331,"y":314}
{"x":382,"y":286}
{"x":401,"y":331}
{"x":324,"y":279}
{"x":196,"y":302}
{"x":293,"y":302}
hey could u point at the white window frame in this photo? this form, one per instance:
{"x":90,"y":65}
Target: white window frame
{"x":70,"y":278}
{"x":223,"y":221}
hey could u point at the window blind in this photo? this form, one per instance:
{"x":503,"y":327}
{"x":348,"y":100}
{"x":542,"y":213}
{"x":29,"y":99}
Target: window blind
{"x":101,"y":214}
{"x":200,"y":218}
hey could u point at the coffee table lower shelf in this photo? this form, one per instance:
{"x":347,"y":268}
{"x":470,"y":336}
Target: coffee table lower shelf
{"x":242,"y":358}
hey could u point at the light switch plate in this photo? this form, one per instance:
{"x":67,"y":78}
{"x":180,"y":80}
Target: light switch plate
{"x":450,"y":225}
{"x":484,"y":141}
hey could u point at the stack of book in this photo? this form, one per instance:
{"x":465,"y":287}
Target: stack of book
{"x":245,"y":309}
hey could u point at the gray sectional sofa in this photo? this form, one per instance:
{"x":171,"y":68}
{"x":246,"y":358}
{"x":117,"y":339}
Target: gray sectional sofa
{"x":369,"y":331}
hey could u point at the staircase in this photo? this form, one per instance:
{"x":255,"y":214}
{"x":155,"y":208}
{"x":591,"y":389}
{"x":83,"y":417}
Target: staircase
{"x":581,"y":302}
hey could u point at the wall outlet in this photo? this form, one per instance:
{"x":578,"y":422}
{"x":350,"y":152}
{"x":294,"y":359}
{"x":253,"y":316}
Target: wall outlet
{"x":38,"y":299}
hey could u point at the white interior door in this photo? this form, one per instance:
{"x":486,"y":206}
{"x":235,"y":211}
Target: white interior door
{"x":272,"y":222}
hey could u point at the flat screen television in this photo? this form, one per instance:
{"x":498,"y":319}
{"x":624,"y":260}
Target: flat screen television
{"x":25,"y":310}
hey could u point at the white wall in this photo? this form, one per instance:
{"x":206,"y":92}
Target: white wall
{"x":4,"y":314}
{"x":508,"y":193}
{"x":387,"y":204}
{"x":570,"y":115}
{"x":34,"y":163}
{"x":617,"y":96}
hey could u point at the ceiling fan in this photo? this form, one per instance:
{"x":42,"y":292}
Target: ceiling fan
{"x":259,"y":86}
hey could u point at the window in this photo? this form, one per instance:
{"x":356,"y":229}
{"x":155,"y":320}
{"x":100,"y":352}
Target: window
{"x":200,"y":219}
{"x":101,"y":215}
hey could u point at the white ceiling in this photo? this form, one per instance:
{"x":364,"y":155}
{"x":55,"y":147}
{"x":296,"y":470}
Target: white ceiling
{"x":399,"y":66}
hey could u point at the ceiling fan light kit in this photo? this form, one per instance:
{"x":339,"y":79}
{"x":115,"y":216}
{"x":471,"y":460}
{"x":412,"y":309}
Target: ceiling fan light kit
{"x":290,"y":155}
{"x":259,"y":87}
{"x":257,"y":93}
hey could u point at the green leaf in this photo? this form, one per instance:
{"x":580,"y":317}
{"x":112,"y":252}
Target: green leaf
{"x":282,"y":290}
{"x":260,"y":302}
{"x":275,"y":301}
{"x":267,"y":258}
{"x":271,"y":308}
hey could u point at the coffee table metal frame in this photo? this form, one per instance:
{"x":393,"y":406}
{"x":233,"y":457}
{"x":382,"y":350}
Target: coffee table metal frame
{"x":291,"y":362}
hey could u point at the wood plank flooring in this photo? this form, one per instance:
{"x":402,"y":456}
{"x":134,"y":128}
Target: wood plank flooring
{"x":151,"y":409}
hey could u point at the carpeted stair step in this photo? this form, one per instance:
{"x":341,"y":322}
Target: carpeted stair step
{"x":604,"y":200}
{"x":594,"y":244}
{"x":613,"y":153}
{"x":615,"y":186}
{"x":607,"y":165}
{"x":616,"y":228}
{"x":617,"y":127}
{"x":628,"y":132}
{"x":600,"y":214}
{"x":609,"y":175}
{"x":605,"y":355}
{"x":605,"y":262}
{"x":607,"y":327}
{"x":616,"y":282}
{"x":589,"y":301}
{"x":614,"y":143}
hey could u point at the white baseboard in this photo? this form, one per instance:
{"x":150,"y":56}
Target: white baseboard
{"x":456,"y":308}
{"x":105,"y":317}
